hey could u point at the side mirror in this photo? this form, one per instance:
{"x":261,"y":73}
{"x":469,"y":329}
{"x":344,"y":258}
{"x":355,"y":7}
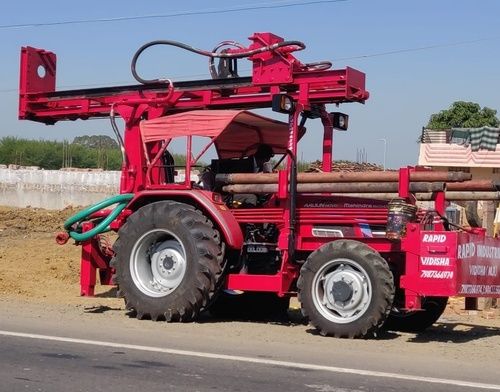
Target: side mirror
{"x":340,"y":121}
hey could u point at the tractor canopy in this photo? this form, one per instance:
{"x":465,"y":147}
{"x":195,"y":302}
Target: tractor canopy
{"x":235,"y":133}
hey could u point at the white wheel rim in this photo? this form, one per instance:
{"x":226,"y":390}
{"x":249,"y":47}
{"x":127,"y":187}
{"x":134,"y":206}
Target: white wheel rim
{"x":158,"y":263}
{"x":341,"y":290}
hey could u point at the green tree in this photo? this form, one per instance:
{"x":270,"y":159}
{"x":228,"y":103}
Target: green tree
{"x":464,"y":115}
{"x":30,"y":152}
{"x":96,"y":141}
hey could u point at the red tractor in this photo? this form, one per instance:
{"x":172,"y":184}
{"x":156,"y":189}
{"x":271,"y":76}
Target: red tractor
{"x":353,"y":246}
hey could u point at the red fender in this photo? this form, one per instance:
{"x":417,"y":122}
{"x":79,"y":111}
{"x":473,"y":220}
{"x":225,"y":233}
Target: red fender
{"x":219,"y":213}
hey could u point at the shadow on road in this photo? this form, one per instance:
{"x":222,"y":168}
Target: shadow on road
{"x":290,"y":318}
{"x":100,"y":309}
{"x":379,"y":335}
{"x":111,"y":293}
{"x":448,"y":332}
{"x":444,"y":332}
{"x":455,"y":333}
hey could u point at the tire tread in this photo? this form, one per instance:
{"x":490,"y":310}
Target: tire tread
{"x":190,"y":300}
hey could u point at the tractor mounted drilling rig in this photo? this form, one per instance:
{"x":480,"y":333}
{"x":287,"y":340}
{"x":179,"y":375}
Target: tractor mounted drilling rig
{"x":355,"y":259}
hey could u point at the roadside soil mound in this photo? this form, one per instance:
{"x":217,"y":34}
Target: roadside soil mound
{"x":32,"y":265}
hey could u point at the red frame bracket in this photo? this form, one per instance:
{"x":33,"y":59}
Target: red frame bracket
{"x":93,"y":261}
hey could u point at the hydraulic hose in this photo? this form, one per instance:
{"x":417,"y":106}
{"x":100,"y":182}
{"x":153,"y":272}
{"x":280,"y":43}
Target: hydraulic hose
{"x":119,"y":138}
{"x":103,"y":226}
{"x":247,"y":53}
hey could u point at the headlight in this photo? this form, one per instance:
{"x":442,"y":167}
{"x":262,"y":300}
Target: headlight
{"x":340,"y":121}
{"x":283,"y":103}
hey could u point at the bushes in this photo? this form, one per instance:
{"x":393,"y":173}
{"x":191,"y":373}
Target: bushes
{"x":93,"y":152}
{"x":54,"y":155}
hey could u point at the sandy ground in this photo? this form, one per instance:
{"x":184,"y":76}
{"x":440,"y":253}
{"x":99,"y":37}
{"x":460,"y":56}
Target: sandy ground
{"x":34,"y":269}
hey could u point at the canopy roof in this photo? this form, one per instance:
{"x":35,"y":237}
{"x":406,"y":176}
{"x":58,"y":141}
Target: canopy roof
{"x":237,"y":132}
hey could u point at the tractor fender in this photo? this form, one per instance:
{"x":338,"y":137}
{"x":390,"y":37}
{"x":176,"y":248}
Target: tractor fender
{"x":218,"y":212}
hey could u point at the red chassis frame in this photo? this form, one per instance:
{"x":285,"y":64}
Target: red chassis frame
{"x":429,"y":263}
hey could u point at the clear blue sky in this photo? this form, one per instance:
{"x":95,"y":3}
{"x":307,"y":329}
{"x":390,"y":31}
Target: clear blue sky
{"x":405,"y":87}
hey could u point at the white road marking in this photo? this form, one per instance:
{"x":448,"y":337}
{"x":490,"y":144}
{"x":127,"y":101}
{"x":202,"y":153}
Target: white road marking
{"x":329,"y":388}
{"x":259,"y":361}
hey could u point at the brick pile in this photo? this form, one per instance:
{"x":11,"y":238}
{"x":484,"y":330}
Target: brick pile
{"x":345,"y":166}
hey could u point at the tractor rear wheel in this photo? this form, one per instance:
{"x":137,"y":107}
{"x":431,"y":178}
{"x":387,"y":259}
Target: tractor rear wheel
{"x":168,"y":259}
{"x":346,"y":289}
{"x":432,"y":309}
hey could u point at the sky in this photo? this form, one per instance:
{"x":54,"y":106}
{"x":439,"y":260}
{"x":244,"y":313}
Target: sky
{"x":419,"y":57}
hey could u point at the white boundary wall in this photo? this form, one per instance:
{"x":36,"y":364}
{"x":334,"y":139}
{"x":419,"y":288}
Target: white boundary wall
{"x":55,"y":189}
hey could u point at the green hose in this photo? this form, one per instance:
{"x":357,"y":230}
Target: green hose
{"x":121,"y":200}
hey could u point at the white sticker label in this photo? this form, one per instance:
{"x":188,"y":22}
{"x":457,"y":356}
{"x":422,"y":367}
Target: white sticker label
{"x":442,"y":261}
{"x":483,"y":270}
{"x":433,"y":274}
{"x":433,"y":238}
{"x":480,"y":289}
{"x":483,"y":251}
{"x":488,"y":252}
{"x":466,"y":250}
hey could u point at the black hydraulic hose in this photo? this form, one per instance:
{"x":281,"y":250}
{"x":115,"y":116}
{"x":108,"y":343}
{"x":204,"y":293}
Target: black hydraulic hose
{"x":247,"y":53}
{"x":293,"y":208}
{"x":117,"y":134}
{"x":318,"y":66}
{"x":211,"y":63}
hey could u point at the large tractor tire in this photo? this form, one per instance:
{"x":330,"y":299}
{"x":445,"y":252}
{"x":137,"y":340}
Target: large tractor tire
{"x":346,"y":289}
{"x":257,"y":306}
{"x":432,"y":309}
{"x":168,"y":260}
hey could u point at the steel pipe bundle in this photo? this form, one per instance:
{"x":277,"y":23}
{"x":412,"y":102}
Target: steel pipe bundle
{"x":361,"y":187}
{"x":427,"y":196}
{"x":461,"y":196}
{"x":474,"y":185}
{"x":373,"y":176}
{"x":374,"y":185}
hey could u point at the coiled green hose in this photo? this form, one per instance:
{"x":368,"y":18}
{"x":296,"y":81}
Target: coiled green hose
{"x":103,"y":226}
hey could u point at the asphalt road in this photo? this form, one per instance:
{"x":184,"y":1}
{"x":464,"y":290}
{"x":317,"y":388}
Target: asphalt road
{"x":63,"y":349}
{"x":43,"y":365}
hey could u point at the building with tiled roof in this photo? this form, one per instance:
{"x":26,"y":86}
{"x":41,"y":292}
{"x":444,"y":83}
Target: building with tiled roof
{"x":474,"y":150}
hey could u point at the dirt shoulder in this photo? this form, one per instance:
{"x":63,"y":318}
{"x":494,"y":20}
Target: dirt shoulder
{"x":32,"y":266}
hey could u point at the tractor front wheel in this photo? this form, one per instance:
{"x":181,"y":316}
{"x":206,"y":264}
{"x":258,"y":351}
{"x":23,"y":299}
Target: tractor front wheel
{"x":167,"y":261}
{"x":346,"y":289}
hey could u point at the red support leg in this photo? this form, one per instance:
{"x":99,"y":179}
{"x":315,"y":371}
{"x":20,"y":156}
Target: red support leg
{"x":87,"y":268}
{"x":404,"y":182}
{"x":92,"y":260}
{"x":471,"y":303}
